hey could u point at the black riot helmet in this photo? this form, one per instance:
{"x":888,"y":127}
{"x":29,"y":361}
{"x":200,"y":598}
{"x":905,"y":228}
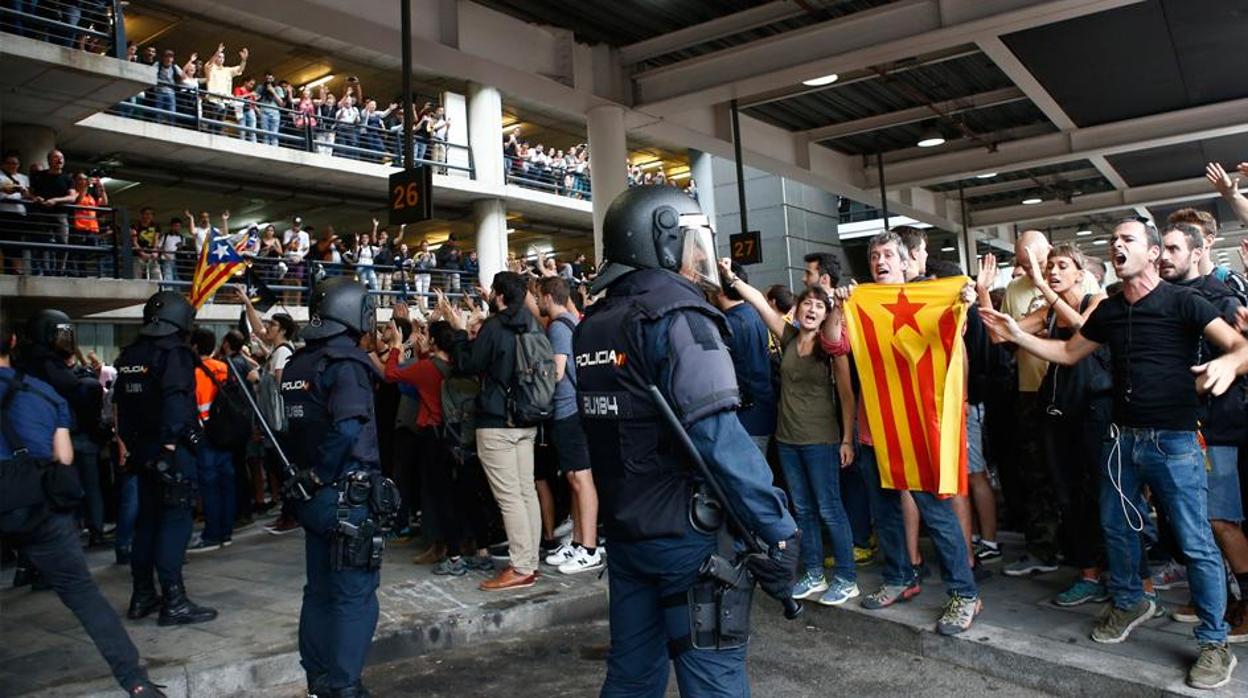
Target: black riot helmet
{"x":166,"y":313}
{"x":52,"y":329}
{"x":339,"y":305}
{"x":656,"y":227}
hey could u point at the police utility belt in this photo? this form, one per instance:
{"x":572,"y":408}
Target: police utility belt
{"x":719,"y":602}
{"x":176,"y":490}
{"x":361,"y":545}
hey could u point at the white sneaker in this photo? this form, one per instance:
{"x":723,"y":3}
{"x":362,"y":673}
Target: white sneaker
{"x":564,"y":553}
{"x":583,"y":562}
{"x":564,"y":529}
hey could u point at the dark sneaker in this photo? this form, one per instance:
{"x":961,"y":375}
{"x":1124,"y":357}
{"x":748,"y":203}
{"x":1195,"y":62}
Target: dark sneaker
{"x":203,"y":546}
{"x":485,"y":563}
{"x":890,"y":594}
{"x":1081,"y":592}
{"x":1187,"y":614}
{"x":959,"y":613}
{"x":452,"y":567}
{"x":987,"y":552}
{"x":1117,"y":623}
{"x":1213,"y":668}
{"x":282,"y":526}
{"x":1028,"y":565}
{"x":1237,"y":618}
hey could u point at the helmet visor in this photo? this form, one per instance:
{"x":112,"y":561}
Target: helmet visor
{"x":697,"y":259}
{"x":62,"y":339}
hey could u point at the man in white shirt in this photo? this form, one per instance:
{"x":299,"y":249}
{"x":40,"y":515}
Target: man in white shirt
{"x":296,"y":227}
{"x":14,"y":191}
{"x":203,"y":229}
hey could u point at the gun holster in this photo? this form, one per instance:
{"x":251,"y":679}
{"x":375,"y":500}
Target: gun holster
{"x":176,"y":490}
{"x":719,"y":605}
{"x":361,"y":545}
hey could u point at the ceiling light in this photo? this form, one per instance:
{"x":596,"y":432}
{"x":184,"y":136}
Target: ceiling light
{"x":1100,"y":242}
{"x":679,"y":175}
{"x":930,"y":139}
{"x":1032,"y":201}
{"x":319,"y":81}
{"x":511,"y":230}
{"x":651,"y":165}
{"x":821,"y":81}
{"x":1083,"y":233}
{"x":985,"y":175}
{"x":948,"y":249}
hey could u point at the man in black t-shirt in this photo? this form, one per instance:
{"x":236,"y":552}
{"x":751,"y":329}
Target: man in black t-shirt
{"x":1153,"y":330}
{"x":54,"y":190}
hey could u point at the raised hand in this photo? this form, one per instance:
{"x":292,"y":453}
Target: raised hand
{"x":401,"y":310}
{"x":1002,"y":326}
{"x":1222,"y":183}
{"x":987,"y":276}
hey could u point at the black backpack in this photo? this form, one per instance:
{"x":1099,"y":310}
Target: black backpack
{"x":30,"y":487}
{"x":229,"y":418}
{"x":531,"y":390}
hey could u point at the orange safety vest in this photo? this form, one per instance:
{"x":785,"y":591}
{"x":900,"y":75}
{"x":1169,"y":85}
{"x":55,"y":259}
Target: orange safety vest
{"x":205,"y":389}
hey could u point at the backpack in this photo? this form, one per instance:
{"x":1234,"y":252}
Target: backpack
{"x":459,"y":410}
{"x":269,"y":399}
{"x":229,"y":418}
{"x":531,"y":391}
{"x":30,"y":487}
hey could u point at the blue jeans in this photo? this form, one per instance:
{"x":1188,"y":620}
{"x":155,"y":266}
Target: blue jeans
{"x":641,"y":574}
{"x":1224,"y":501}
{"x":166,"y":103}
{"x":942,"y":525}
{"x":87,"y":462}
{"x":813,"y":474}
{"x":340,"y":609}
{"x":216,"y":489}
{"x":127,"y":510}
{"x":857,"y":502}
{"x":1171,"y":464}
{"x":270,"y":122}
{"x":249,"y":121}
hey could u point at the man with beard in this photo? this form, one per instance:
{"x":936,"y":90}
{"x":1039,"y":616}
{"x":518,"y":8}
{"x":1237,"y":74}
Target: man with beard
{"x":1153,"y":330}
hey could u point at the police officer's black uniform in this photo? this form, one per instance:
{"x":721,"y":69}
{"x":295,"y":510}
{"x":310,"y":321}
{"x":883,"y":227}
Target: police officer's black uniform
{"x":654,"y":327}
{"x":331,"y":436}
{"x":157,"y":421}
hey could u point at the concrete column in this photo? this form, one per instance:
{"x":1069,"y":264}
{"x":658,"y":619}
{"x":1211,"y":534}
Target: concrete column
{"x":609,"y":153}
{"x":491,"y":218}
{"x":700,"y":171}
{"x":485,"y":133}
{"x":457,"y":134}
{"x":31,"y":141}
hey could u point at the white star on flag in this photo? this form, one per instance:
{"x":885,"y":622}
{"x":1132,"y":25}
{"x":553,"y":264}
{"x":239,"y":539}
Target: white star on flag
{"x":222,"y":251}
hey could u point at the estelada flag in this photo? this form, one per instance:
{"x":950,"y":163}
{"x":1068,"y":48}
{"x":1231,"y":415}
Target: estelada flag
{"x":907,"y":344}
{"x":219,"y":259}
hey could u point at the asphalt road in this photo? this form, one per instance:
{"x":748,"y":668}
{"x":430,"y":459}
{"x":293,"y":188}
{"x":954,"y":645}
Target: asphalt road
{"x":803,"y":658}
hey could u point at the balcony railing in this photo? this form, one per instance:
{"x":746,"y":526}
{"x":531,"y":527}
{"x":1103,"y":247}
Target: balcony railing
{"x":94,"y":26}
{"x":254,"y":122}
{"x":74,"y":241}
{"x":575,"y":185}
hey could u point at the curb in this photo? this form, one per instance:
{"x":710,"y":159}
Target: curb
{"x":396,"y":638}
{"x":1060,"y":668}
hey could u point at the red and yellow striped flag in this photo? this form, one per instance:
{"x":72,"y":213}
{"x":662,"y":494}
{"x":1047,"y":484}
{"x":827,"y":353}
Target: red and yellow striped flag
{"x":219,"y":259}
{"x":907,"y":344}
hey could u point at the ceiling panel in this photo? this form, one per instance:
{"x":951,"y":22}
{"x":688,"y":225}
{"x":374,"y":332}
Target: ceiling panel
{"x":1183,"y":161}
{"x":1140,"y":59}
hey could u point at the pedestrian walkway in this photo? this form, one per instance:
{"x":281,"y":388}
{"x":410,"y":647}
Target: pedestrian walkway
{"x":1022,"y":637}
{"x":256,"y":584}
{"x":251,"y":650}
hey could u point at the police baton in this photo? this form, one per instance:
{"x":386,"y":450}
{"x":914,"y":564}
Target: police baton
{"x":792,"y":608}
{"x":288,"y":469}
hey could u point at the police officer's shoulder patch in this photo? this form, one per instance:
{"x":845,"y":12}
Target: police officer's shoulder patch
{"x":702,"y":380}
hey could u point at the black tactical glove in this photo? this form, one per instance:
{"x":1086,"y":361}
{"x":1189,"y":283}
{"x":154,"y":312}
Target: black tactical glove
{"x":166,"y":468}
{"x":302,"y":486}
{"x":777,"y":570}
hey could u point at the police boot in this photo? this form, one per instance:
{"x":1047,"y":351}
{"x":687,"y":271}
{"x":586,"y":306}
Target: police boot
{"x":144,"y":600}
{"x":179,"y":610}
{"x":356,"y":691}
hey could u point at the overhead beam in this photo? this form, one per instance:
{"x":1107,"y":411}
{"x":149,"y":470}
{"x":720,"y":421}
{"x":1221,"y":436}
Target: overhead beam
{"x":992,"y":98}
{"x":1142,"y":133}
{"x":881,"y":35}
{"x":1195,"y":189}
{"x":1048,"y":180}
{"x":717,"y":28}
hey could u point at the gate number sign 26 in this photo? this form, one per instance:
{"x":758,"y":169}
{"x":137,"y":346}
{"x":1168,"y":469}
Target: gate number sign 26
{"x":410,"y":196}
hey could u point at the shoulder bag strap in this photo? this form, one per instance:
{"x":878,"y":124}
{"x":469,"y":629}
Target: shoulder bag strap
{"x":16,"y":445}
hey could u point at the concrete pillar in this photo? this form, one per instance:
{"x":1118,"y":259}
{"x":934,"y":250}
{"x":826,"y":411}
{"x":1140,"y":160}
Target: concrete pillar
{"x":485,"y":133}
{"x":700,"y":171}
{"x":608,"y":151}
{"x":457,"y":133}
{"x":968,"y":256}
{"x":491,"y":218}
{"x":31,"y":141}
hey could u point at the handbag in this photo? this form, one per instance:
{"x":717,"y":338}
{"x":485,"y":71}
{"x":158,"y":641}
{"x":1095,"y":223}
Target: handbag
{"x":31,"y":488}
{"x":1069,"y":389}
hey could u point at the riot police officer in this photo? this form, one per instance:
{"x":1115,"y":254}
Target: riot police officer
{"x":655,"y":327}
{"x":158,"y":429}
{"x":331,"y":439}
